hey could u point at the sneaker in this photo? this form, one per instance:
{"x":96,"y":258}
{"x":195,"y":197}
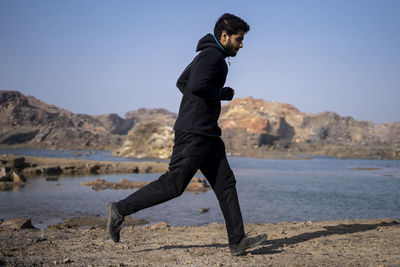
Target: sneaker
{"x":246,"y":243}
{"x":114,"y":221}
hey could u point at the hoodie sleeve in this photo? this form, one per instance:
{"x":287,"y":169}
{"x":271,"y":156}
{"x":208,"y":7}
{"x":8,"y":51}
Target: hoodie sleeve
{"x":203,"y":74}
{"x":183,"y":78}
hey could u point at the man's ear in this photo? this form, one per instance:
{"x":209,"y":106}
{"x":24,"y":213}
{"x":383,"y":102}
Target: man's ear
{"x":224,"y":38}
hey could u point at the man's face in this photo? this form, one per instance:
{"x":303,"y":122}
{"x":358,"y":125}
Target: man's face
{"x":232,"y":43}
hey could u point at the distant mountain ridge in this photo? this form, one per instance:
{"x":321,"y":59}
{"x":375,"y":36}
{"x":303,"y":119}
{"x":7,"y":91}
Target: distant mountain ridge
{"x":271,"y":126}
{"x":251,"y":127}
{"x":26,"y":121}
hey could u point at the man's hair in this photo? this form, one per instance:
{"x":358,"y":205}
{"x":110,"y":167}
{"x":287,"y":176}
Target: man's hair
{"x":231,"y":24}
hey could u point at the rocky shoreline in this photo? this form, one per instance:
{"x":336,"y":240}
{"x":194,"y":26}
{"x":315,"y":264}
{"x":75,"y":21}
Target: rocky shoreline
{"x":371,"y":242}
{"x":13,"y":169}
{"x":196,"y":185}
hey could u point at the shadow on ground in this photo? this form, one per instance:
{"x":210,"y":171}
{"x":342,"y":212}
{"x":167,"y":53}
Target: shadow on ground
{"x":272,"y":246}
{"x":340,"y":229}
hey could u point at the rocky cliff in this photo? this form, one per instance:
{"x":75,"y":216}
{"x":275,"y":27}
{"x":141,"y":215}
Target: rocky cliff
{"x":254,"y":126}
{"x":26,"y":121}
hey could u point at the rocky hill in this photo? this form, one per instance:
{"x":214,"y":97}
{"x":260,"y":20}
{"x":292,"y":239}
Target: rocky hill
{"x":26,"y":121}
{"x":254,"y":126}
{"x":151,"y":137}
{"x":251,"y":127}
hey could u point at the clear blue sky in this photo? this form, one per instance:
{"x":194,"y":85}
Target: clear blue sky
{"x":99,"y":57}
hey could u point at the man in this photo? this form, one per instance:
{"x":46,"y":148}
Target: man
{"x":198,"y":144}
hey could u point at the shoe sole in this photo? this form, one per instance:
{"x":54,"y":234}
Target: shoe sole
{"x":109,"y":222}
{"x":241,"y":252}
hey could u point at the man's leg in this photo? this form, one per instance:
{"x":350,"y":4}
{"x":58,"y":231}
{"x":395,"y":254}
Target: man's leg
{"x":185,"y":161}
{"x":169,"y":185}
{"x":221,"y":178}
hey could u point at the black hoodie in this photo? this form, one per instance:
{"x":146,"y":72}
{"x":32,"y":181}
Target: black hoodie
{"x":202,"y":85}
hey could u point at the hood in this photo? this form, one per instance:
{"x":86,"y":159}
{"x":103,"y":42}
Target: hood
{"x":209,"y":41}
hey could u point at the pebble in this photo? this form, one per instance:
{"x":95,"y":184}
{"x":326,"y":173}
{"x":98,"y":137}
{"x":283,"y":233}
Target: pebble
{"x":204,"y":210}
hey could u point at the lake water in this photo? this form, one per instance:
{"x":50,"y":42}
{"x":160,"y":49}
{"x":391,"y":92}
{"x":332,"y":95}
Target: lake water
{"x":270,"y":190}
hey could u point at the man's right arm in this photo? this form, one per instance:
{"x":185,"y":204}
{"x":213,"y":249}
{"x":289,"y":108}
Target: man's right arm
{"x":183,"y":78}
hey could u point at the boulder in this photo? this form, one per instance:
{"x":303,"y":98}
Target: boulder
{"x":17,"y":177}
{"x":52,"y":170}
{"x":4,"y":174}
{"x":17,"y":224}
{"x":94,"y":169}
{"x":18,"y":163}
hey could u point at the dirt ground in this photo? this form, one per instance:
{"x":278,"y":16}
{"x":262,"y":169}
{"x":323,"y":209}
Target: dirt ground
{"x":373,"y":242}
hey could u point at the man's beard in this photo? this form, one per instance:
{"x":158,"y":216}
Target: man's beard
{"x":230,"y":49}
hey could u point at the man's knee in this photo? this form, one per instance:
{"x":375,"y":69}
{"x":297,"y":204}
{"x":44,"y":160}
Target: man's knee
{"x":172,"y":186}
{"x":226,"y":185}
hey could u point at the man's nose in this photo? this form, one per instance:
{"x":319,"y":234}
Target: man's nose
{"x":241,"y":45}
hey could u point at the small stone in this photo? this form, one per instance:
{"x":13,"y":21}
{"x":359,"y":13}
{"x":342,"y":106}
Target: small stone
{"x":67,"y":260}
{"x":204,"y":210}
{"x":160,"y":225}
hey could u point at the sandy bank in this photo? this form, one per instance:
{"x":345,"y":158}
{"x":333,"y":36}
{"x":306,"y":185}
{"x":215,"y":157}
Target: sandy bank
{"x":373,"y":242}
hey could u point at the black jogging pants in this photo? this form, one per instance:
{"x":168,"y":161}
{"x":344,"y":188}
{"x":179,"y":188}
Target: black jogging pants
{"x":192,"y":152}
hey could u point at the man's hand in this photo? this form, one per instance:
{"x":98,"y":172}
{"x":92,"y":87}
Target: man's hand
{"x":227,"y":93}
